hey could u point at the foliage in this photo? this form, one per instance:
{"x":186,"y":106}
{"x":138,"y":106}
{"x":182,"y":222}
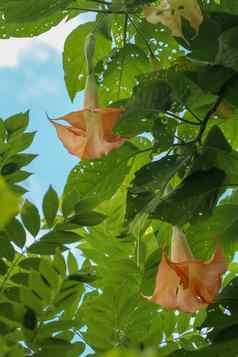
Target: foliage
{"x":73,"y":273}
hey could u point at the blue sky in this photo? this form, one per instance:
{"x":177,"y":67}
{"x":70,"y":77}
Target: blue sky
{"x":32,"y":77}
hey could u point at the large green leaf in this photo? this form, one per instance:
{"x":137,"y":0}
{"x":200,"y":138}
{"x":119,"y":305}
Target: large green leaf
{"x":155,"y":175}
{"x":194,"y":197}
{"x":92,"y":182}
{"x":120,"y":71}
{"x":222,"y":225}
{"x":228,"y":53}
{"x":22,"y":11}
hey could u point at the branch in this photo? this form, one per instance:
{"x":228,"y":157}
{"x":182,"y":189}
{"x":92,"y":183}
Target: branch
{"x":182,"y":120}
{"x":214,"y":107}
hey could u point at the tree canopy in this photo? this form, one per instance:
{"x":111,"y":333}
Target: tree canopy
{"x":170,"y":68}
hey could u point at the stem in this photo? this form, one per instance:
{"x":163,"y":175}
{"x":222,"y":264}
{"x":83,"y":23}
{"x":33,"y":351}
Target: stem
{"x":99,"y":11}
{"x":213,"y":108}
{"x":7,"y":276}
{"x":182,"y":120}
{"x":124,"y":54}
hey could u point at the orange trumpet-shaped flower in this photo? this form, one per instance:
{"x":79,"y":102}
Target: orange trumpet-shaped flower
{"x":89,"y":135}
{"x":186,"y":283}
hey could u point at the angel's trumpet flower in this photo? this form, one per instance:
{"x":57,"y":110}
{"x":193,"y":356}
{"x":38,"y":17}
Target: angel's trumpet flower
{"x":89,"y":135}
{"x":170,"y":12}
{"x":186,"y":283}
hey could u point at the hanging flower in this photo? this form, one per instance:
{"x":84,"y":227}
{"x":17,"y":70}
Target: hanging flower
{"x":186,"y":283}
{"x":170,"y":12}
{"x":89,"y":135}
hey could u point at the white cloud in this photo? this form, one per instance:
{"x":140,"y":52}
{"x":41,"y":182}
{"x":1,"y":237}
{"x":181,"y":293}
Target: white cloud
{"x":12,"y":48}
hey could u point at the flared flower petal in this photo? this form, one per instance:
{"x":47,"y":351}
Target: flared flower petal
{"x":186,"y":283}
{"x":89,"y":135}
{"x":170,"y":12}
{"x":166,"y":286}
{"x":205,"y":278}
{"x":73,"y":139}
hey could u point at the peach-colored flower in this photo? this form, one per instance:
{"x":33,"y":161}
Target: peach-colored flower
{"x":186,"y":283}
{"x":170,"y":12}
{"x":89,"y":135}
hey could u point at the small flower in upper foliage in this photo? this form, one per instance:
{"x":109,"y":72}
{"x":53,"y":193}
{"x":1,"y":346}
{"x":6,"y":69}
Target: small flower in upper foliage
{"x":186,"y":283}
{"x":170,"y":12}
{"x":89,"y":135}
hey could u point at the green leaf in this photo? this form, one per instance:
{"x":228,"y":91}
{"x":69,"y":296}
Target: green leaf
{"x":6,"y":249}
{"x":3,"y":267}
{"x":165,"y":47}
{"x":15,"y":162}
{"x":56,"y":326}
{"x":29,"y":28}
{"x":83,"y":277}
{"x":228,"y":348}
{"x":205,"y":45}
{"x":87,"y":218}
{"x":150,"y":97}
{"x":157,"y":174}
{"x":92,"y":182}
{"x":20,"y":278}
{"x":195,"y":196}
{"x":9,"y":203}
{"x":59,"y":263}
{"x":72,"y":263}
{"x":3,"y":132}
{"x":53,"y":240}
{"x":31,"y":218}
{"x":228,"y":53}
{"x":30,"y":263}
{"x":16,"y":233}
{"x":49,"y":273}
{"x":73,"y":56}
{"x":17,"y":122}
{"x":40,"y":286}
{"x":119,"y":75}
{"x":223,"y":225}
{"x":31,"y":300}
{"x":21,"y":11}
{"x":17,"y":176}
{"x":30,"y":320}
{"x":50,"y":205}
{"x":19,"y":142}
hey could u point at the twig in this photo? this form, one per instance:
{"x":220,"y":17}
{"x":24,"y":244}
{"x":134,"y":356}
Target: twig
{"x":99,"y":11}
{"x":182,"y":119}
